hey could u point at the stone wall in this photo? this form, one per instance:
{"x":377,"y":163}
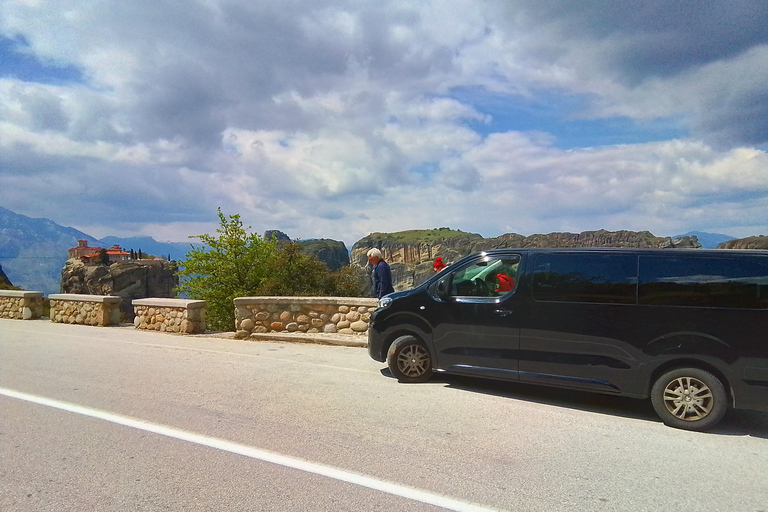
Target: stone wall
{"x":135,"y":279}
{"x":72,"y":308}
{"x":343,"y":315}
{"x":170,"y":315}
{"x":21,"y":305}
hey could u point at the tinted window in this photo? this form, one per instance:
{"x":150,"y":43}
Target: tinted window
{"x":489,"y":277}
{"x":602,"y":278}
{"x":703,"y":282}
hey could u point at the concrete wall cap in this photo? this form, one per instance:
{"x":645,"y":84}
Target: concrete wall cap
{"x":24,"y":294}
{"x":77,"y":297}
{"x":346,"y":301}
{"x":169,"y":303}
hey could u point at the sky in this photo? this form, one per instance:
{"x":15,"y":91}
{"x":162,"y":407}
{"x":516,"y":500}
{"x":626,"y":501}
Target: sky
{"x":337,"y":119}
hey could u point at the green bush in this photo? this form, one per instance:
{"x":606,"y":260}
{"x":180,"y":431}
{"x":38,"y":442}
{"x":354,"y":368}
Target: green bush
{"x":295,"y":273}
{"x":240,"y":264}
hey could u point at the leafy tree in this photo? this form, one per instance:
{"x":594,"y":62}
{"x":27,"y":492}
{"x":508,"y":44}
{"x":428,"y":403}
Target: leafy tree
{"x":232,"y":264}
{"x":350,"y":281}
{"x":236,"y":263}
{"x":293,"y":272}
{"x":297,"y":273}
{"x":103,"y":257}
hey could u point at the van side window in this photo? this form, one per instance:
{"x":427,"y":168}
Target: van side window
{"x":490,"y":277}
{"x":592,"y":278}
{"x":703,"y":282}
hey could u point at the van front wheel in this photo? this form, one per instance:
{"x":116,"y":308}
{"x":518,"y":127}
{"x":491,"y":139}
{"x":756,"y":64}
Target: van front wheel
{"x":689,"y":398}
{"x":409,"y":360}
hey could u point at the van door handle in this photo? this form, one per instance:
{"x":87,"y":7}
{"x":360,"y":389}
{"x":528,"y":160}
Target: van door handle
{"x":503,"y":312}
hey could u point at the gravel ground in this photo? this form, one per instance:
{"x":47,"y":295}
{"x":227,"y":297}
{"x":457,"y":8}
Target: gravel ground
{"x":347,"y":340}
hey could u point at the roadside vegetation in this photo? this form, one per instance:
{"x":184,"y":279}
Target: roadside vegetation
{"x":238,"y":263}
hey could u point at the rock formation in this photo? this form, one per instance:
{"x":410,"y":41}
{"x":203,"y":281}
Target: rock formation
{"x":4,"y":281}
{"x":135,"y":279}
{"x":277,"y":235}
{"x":331,"y":252}
{"x":751,"y":242}
{"x":410,"y":253}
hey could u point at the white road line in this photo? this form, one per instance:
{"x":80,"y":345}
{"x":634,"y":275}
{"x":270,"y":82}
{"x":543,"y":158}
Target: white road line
{"x":256,"y":453}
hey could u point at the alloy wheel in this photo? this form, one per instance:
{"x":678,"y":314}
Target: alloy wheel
{"x":413,"y":361}
{"x":688,"y":398}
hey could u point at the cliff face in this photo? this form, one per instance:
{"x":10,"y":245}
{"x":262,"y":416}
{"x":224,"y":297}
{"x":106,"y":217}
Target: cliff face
{"x":751,"y":242}
{"x":4,"y":281}
{"x":130,"y":280}
{"x":331,"y":252}
{"x":418,"y":246}
{"x":410,"y":254}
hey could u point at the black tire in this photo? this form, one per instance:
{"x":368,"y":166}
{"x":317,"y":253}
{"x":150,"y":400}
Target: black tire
{"x":690,"y":399}
{"x":409,"y":360}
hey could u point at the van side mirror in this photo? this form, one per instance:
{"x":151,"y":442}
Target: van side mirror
{"x":441,"y":290}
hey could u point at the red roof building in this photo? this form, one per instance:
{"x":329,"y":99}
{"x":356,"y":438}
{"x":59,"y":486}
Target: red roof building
{"x":90,"y":255}
{"x":83,"y":250}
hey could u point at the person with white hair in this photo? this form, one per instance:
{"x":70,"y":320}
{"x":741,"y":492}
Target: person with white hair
{"x":382,"y":275}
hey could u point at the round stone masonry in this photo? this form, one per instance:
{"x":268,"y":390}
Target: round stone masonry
{"x":170,"y":315}
{"x":73,"y":308}
{"x":343,"y":315}
{"x":21,"y":304}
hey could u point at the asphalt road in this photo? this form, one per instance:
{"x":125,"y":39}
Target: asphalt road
{"x":113,"y":419}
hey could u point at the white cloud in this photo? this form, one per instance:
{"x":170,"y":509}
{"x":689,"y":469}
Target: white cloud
{"x":336,"y":119}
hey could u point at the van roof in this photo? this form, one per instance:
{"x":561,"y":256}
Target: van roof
{"x":686,"y":251}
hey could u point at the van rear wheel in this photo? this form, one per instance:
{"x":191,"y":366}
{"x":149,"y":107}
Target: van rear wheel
{"x":689,"y":398}
{"x":409,"y":360}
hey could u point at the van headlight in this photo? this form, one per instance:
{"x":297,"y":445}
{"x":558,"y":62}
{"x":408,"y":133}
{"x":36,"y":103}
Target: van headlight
{"x":384,"y":302}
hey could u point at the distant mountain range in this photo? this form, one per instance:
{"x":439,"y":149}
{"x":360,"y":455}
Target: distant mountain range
{"x":33,"y":251}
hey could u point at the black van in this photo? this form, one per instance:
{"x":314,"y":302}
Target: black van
{"x":687,"y":328}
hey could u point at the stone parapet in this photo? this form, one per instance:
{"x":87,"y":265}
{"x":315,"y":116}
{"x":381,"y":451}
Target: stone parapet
{"x":73,"y":308}
{"x":170,"y":315}
{"x":21,"y":304}
{"x":343,"y":315}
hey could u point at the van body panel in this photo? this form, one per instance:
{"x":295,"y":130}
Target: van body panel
{"x":586,"y":343}
{"x":475,"y":334}
{"x":408,"y":319}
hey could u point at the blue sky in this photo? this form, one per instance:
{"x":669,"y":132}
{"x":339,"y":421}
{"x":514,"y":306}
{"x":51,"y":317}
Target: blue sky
{"x":17,"y":62}
{"x":561,"y":116}
{"x":337,"y":119}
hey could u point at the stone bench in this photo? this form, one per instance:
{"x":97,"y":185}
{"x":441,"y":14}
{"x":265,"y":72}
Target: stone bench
{"x":343,"y":315}
{"x":21,"y":304}
{"x":73,"y":308}
{"x":170,"y":315}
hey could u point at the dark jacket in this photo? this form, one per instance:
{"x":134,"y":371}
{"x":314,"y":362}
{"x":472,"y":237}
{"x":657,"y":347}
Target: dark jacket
{"x":382,"y":279}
